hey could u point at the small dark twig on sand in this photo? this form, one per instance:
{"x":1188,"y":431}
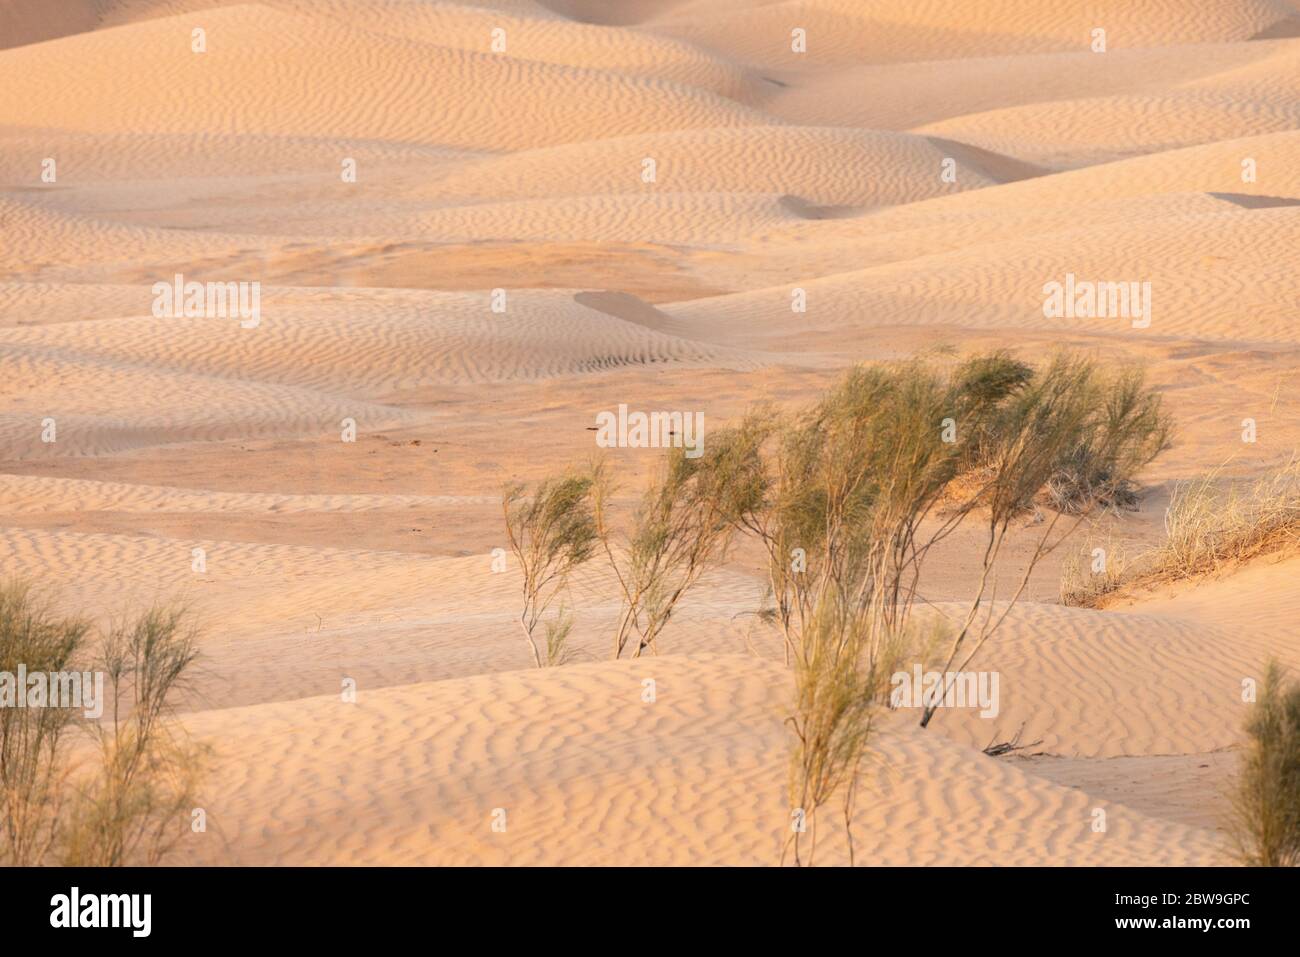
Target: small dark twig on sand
{"x":1007,"y":747}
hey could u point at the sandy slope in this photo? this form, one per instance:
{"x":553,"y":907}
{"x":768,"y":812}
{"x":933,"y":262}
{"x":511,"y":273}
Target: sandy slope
{"x":1169,"y":672}
{"x":524,"y":169}
{"x":587,"y":772}
{"x":348,"y":83}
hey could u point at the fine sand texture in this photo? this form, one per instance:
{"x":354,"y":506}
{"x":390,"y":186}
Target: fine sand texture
{"x":476,"y":225}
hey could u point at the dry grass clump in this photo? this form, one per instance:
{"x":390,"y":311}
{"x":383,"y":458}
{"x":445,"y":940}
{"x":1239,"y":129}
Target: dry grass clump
{"x":83,"y":792}
{"x":1210,"y":525}
{"x":1266,"y":823}
{"x":1098,"y":571}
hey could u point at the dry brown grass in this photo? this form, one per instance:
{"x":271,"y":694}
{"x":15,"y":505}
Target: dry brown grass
{"x":1211,"y":525}
{"x":1099,"y":570}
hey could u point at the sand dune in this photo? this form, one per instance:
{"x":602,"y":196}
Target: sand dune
{"x":1152,"y":679}
{"x":587,"y":773}
{"x":911,"y":94}
{"x":353,"y":84}
{"x":842,"y":31}
{"x":1257,"y":97}
{"x":823,"y":166}
{"x":561,"y":206}
{"x":1243,"y":294}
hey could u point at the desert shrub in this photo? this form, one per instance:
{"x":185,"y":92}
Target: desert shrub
{"x":136,"y":805}
{"x":839,"y":693}
{"x":1102,"y":426}
{"x":685,"y":523}
{"x":848,"y":482}
{"x":34,"y":760}
{"x":1039,"y":433}
{"x":849,"y":496}
{"x":551,"y":533}
{"x":856,"y":491}
{"x":982,"y":384}
{"x":832,"y":718}
{"x":1266,"y":824}
{"x":852,"y":486}
{"x":79,"y":791}
{"x":1128,"y":430}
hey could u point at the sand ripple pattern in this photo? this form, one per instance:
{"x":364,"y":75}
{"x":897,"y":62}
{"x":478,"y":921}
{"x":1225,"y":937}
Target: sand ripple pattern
{"x":561,"y":206}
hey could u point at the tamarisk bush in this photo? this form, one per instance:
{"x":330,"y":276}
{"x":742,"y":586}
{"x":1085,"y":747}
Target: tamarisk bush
{"x":34,"y":760}
{"x":80,"y":791}
{"x":848,"y":498}
{"x":686,"y":522}
{"x":551,"y":533}
{"x":136,"y":806}
{"x":855,"y":492}
{"x":1266,"y":824}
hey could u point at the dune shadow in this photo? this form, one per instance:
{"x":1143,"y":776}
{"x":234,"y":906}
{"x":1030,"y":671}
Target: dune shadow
{"x":1250,"y":201}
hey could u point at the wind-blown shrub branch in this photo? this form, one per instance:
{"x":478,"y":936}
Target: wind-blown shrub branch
{"x":858,"y":490}
{"x":550,"y":533}
{"x":849,"y":497}
{"x":79,"y":791}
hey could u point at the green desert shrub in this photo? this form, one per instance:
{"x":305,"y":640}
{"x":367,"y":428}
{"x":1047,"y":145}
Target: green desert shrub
{"x":685,"y":523}
{"x":79,"y":790}
{"x":34,"y":742}
{"x":849,"y":496}
{"x":551,"y":532}
{"x":1267,"y":800}
{"x":857,"y":490}
{"x":136,"y":804}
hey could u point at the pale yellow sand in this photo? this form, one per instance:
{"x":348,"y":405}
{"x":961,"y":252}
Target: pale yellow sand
{"x":524,"y":170}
